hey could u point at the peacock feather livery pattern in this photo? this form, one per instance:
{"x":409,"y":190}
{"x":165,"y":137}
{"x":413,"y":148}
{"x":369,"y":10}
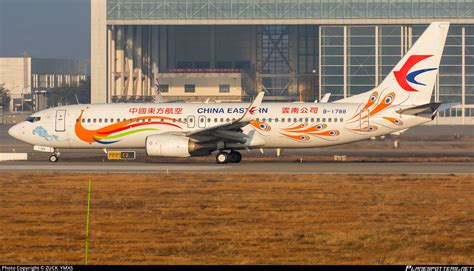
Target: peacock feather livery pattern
{"x":115,"y":132}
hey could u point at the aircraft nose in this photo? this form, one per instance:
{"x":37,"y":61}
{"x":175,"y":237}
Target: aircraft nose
{"x":14,"y":131}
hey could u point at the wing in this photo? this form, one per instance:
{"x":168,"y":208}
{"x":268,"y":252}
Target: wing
{"x":230,"y":131}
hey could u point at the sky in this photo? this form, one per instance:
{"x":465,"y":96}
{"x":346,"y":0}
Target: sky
{"x":46,"y":28}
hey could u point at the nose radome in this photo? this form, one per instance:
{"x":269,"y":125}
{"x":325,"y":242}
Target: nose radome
{"x":13,"y":131}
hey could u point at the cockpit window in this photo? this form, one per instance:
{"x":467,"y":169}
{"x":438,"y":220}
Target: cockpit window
{"x":33,"y":119}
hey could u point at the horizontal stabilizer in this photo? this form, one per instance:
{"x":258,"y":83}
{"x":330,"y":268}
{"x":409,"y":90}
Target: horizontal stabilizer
{"x":446,"y":106}
{"x":426,"y":109}
{"x":429,"y":108}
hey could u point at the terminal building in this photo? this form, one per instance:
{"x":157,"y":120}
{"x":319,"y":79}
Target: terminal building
{"x":294,"y":50}
{"x":27,"y":78}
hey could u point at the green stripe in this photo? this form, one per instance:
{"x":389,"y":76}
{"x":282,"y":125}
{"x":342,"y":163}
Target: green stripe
{"x":126,"y":133}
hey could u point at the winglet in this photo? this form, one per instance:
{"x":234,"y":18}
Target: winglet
{"x":325,"y":98}
{"x":249,"y":114}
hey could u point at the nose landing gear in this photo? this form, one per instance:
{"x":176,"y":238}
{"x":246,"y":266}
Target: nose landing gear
{"x":232,"y":157}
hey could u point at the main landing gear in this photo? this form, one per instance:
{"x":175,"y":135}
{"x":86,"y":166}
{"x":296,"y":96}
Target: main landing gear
{"x":54,"y":156}
{"x":225,"y":157}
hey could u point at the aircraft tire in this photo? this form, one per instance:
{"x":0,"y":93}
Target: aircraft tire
{"x":222,"y":158}
{"x":53,"y":158}
{"x":235,"y":157}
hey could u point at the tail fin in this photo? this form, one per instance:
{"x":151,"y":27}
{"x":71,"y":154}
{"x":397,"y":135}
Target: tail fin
{"x":412,"y":80}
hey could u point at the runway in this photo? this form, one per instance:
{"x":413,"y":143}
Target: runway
{"x":254,"y":167}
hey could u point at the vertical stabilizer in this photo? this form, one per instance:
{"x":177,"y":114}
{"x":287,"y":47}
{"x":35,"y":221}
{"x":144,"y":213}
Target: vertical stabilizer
{"x":412,"y":80}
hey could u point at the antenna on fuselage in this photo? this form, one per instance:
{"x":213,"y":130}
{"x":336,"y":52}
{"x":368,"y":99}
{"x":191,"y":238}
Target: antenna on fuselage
{"x":77,"y":100}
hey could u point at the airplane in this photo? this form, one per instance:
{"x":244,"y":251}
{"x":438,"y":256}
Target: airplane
{"x":401,"y":101}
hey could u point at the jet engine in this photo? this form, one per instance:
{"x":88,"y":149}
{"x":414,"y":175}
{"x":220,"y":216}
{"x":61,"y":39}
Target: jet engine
{"x":174,"y":146}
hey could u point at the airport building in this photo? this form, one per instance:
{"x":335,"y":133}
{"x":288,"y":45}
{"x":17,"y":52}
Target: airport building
{"x":27,"y":78}
{"x":294,"y":50}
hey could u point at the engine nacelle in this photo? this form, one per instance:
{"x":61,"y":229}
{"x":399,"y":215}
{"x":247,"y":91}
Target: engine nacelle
{"x":169,"y":146}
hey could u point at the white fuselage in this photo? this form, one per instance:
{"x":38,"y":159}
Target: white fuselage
{"x":276,"y":125}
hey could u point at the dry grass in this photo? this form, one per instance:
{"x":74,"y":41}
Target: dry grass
{"x":238,"y":219}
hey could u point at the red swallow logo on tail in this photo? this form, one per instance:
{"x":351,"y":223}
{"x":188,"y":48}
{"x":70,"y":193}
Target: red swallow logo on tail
{"x":403,"y":77}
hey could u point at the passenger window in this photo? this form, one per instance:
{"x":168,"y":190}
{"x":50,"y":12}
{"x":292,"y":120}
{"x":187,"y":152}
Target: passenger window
{"x":329,"y":120}
{"x":341,"y":120}
{"x":306,"y":120}
{"x":335,"y":119}
{"x":105,"y":120}
{"x":227,"y":120}
{"x":324,"y":119}
{"x":118,"y":120}
{"x":83,"y":120}
{"x":295,"y":120}
{"x":312,"y":119}
{"x":209,"y":120}
{"x":222,"y":119}
{"x":88,"y":120}
{"x":276,"y":119}
{"x":264,"y":119}
{"x":258,"y":119}
{"x":282,"y":119}
{"x":94,"y":120}
{"x":318,"y":120}
{"x":270,"y":120}
{"x":111,"y":120}
{"x":301,"y":119}
{"x":289,"y":119}
{"x":215,"y":120}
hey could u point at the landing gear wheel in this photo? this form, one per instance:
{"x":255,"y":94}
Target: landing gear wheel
{"x":222,"y":158}
{"x":235,"y":157}
{"x":53,"y":158}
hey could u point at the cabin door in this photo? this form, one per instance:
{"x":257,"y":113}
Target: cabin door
{"x":60,"y":120}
